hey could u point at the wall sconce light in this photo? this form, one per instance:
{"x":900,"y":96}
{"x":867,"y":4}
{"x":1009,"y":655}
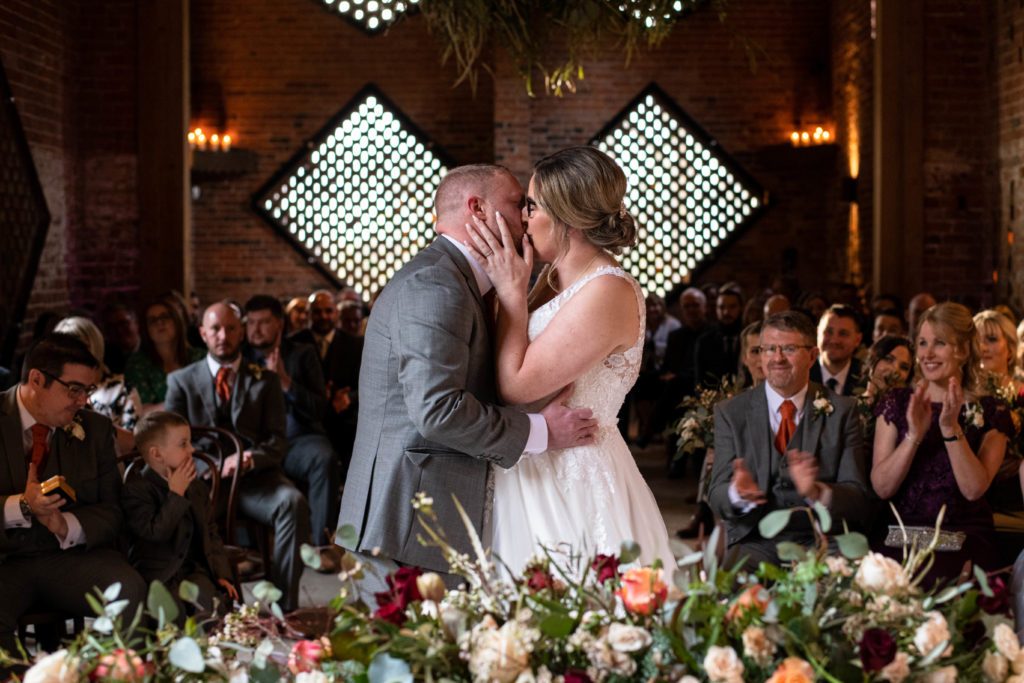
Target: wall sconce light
{"x":848,"y":190}
{"x":807,"y":138}
{"x":197,"y":139}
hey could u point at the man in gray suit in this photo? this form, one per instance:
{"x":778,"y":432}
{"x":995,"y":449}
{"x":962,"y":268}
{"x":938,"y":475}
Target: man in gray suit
{"x":223,"y":391}
{"x":428,"y":419}
{"x":775,"y":449}
{"x":53,"y":552}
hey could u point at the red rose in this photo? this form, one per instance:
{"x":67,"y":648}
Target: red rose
{"x":576,"y":676}
{"x":403,"y":585}
{"x":877,"y":649}
{"x":606,"y":566}
{"x":390,"y":612}
{"x":539,"y":579}
{"x":999,"y":603}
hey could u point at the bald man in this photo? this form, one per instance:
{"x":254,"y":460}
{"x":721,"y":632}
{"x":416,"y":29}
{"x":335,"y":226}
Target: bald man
{"x":223,"y":391}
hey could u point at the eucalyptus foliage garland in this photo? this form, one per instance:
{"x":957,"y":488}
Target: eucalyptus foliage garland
{"x":552,"y":36}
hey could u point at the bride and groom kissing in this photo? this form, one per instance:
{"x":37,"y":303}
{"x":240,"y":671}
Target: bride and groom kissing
{"x":456,"y":403}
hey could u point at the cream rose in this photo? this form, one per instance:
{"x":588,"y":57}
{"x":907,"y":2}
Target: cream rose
{"x":881,"y":574}
{"x":838,"y":565}
{"x":498,"y":654}
{"x":53,"y":668}
{"x":626,"y":638}
{"x":946,"y":674}
{"x":1007,"y":643}
{"x":931,"y":634}
{"x":311,"y":677}
{"x":896,"y":670}
{"x":995,"y":667}
{"x":757,"y":645}
{"x":723,"y":665}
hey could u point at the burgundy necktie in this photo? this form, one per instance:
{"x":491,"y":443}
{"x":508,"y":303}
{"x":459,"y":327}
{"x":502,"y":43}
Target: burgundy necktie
{"x":40,"y":447}
{"x":787,"y":426}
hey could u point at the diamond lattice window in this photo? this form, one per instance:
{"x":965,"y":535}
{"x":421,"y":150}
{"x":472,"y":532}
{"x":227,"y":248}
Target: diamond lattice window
{"x":359,"y":200}
{"x":372,"y":16}
{"x":689,"y":197}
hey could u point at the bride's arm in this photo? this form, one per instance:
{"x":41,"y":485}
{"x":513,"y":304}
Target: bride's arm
{"x":599,"y":319}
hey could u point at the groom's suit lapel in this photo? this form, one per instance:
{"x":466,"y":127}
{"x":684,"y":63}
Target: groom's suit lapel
{"x":462,"y":264}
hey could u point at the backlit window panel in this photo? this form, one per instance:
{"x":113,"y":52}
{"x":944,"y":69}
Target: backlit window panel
{"x":689,"y":198}
{"x":372,"y":16}
{"x":358,"y":200}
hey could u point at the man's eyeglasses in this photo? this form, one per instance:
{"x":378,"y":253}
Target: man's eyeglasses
{"x":531,"y":206}
{"x":786,"y":349}
{"x":76,"y":390}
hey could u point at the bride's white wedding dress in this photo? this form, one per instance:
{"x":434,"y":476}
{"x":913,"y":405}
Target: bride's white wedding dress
{"x":590,"y":497}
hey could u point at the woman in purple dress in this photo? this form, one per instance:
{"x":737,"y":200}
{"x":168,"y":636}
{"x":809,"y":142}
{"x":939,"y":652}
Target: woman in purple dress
{"x":941,"y":443}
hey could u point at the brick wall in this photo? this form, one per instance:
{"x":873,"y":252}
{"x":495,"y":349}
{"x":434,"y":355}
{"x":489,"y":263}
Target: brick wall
{"x":1009,"y":45}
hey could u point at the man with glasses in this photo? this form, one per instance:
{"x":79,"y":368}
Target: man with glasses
{"x":786,"y":443}
{"x":53,"y":551}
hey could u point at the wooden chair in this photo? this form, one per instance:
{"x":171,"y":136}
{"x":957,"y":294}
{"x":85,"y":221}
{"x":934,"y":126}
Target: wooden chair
{"x":236,"y":553}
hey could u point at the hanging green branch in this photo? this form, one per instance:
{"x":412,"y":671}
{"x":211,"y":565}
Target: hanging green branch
{"x":553,"y":37}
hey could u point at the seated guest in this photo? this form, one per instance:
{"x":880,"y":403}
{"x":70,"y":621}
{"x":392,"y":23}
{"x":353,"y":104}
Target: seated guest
{"x":776,"y":303}
{"x":775,"y":449}
{"x":941,"y":444}
{"x":838,"y":338}
{"x":350,"y":317}
{"x":919,"y":303}
{"x":310,"y":458}
{"x":997,"y":341}
{"x":54,"y":552}
{"x":223,"y":391}
{"x":173,"y":532}
{"x":883,"y":303}
{"x":717,"y":351}
{"x":112,"y":396}
{"x":752,"y":373}
{"x":120,"y":333}
{"x":296,"y":315}
{"x":887,"y":322}
{"x":164,"y":349}
{"x":889,"y":364}
{"x":813,"y":304}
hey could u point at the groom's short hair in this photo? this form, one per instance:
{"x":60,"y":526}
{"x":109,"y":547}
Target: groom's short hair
{"x":463,"y":181}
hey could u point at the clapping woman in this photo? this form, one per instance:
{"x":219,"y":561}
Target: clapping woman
{"x":941,"y":444}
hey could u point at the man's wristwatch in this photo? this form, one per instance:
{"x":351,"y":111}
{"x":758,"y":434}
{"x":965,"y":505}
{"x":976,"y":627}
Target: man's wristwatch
{"x":26,"y":509}
{"x":956,"y":437}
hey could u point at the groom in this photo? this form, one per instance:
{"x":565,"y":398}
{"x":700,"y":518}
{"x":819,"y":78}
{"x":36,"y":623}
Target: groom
{"x":428,"y":418}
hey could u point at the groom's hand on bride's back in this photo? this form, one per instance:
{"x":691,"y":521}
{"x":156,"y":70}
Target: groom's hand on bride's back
{"x":568,"y":427}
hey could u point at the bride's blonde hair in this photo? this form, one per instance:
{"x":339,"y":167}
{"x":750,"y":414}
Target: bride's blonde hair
{"x":582,"y":188}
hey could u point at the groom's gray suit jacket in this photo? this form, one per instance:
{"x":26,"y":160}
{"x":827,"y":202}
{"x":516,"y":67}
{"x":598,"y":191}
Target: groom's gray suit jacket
{"x":427,"y":414}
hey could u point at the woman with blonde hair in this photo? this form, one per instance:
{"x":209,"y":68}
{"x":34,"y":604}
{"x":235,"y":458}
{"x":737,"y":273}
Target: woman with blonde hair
{"x":583,"y":325}
{"x":941,"y":443}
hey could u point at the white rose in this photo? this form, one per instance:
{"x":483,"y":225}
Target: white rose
{"x":931,"y":634}
{"x":881,"y":574}
{"x":311,"y":677}
{"x":1007,"y":643}
{"x":757,"y":646}
{"x":626,"y":638}
{"x":53,"y":668}
{"x":946,"y":674}
{"x":995,"y":667}
{"x":723,"y":664}
{"x":896,"y":670}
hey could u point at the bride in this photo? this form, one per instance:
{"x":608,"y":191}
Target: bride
{"x":583,"y":324}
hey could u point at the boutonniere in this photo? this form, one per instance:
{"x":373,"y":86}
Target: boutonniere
{"x":75,"y":428}
{"x":256,"y":371}
{"x":974,"y":415}
{"x":822,"y":406}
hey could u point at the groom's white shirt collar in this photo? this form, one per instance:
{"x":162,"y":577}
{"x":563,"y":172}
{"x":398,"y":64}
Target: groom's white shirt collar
{"x":482,"y":281}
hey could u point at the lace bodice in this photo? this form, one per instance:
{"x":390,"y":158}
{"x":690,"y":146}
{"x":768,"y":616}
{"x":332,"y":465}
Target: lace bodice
{"x":603,"y":387}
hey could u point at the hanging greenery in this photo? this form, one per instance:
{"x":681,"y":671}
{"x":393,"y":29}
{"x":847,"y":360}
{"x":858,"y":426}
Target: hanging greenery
{"x":550,"y":36}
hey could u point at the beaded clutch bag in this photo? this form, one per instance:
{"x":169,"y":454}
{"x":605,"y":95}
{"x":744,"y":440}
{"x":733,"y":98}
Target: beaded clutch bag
{"x":921,"y":536}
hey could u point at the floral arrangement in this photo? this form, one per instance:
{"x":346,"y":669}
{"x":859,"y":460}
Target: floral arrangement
{"x":855,"y":616}
{"x":696,"y":427}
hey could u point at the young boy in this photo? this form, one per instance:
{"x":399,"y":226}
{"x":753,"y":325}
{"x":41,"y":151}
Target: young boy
{"x":173,"y":533}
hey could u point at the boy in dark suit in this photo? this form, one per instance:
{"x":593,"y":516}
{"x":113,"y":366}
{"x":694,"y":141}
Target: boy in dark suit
{"x":174,"y":536}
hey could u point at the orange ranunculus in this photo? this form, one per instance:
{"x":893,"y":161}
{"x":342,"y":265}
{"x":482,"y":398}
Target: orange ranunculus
{"x":749,"y":599}
{"x":642,"y":590}
{"x":793,"y":670}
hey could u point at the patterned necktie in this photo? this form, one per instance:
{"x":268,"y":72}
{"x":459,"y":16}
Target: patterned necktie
{"x":224,"y":383}
{"x":787,"y":427}
{"x":40,"y":448}
{"x":833,"y":384}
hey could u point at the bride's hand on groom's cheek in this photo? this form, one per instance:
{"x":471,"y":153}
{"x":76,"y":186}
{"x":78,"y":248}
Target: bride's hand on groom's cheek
{"x":507,"y":269}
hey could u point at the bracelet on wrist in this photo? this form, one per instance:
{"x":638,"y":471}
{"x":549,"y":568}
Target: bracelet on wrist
{"x":956,"y":437}
{"x":912,"y":440}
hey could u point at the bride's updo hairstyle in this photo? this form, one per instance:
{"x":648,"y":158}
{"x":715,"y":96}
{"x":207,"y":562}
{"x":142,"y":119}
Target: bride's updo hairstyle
{"x":953,"y":324}
{"x":582,"y":188}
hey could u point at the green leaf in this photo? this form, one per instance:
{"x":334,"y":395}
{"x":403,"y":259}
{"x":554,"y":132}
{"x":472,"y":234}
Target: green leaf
{"x":824,"y":516}
{"x":186,"y":655}
{"x":933,"y":655}
{"x":982,"y":579}
{"x":773,"y":523}
{"x":310,"y":556}
{"x":160,"y":603}
{"x":852,"y":545}
{"x":95,"y":604}
{"x":266,"y":592}
{"x":790,"y":551}
{"x":557,"y":625}
{"x":188,"y":591}
{"x":387,"y":669}
{"x":267,"y":672}
{"x":347,"y":536}
{"x":113,"y":590}
{"x":628,"y":552}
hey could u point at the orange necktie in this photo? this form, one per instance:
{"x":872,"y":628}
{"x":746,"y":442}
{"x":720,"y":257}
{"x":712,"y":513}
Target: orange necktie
{"x":40,"y":448}
{"x":224,"y":383}
{"x":787,"y":427}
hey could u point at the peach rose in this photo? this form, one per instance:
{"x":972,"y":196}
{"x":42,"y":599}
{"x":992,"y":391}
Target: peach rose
{"x":881,"y":574}
{"x":1006,"y":642}
{"x":793,"y":670}
{"x":723,"y":665}
{"x":946,"y":674}
{"x":643,"y":590}
{"x":931,"y":634}
{"x":757,"y":646}
{"x":995,"y":667}
{"x":897,"y":670}
{"x":749,"y":599}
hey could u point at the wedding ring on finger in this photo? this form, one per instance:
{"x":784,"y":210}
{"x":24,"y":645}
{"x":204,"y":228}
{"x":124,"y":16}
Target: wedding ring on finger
{"x":488,"y":254}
